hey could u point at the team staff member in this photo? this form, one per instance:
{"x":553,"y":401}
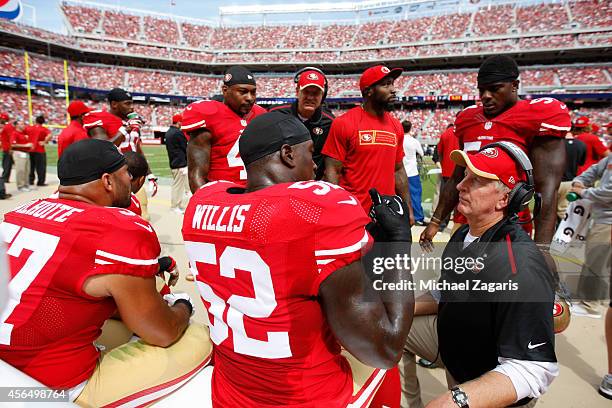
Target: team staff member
{"x":364,"y":148}
{"x":537,"y":126}
{"x":298,"y":246}
{"x":39,"y":136}
{"x":497,"y":348}
{"x":74,"y":131}
{"x":5,"y":136}
{"x":575,"y":155}
{"x":97,"y":260}
{"x":176,"y":146}
{"x":311,"y":91}
{"x":595,"y":149}
{"x":21,"y":146}
{"x":214,"y":129}
{"x":121,"y":126}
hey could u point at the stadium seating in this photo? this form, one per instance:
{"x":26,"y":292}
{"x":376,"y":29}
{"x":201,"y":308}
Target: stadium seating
{"x":493,"y":20}
{"x":151,"y":81}
{"x":161,"y":30}
{"x":592,"y":13}
{"x":372,"y":33}
{"x":196,"y":35}
{"x":97,"y":77}
{"x":121,"y":25}
{"x":192,"y":85}
{"x":83,"y":19}
{"x":542,"y":18}
{"x":540,"y":77}
{"x":582,"y":76}
{"x":450,"y":26}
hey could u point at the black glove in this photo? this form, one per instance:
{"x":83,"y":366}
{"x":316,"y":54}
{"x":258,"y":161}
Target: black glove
{"x":168,"y":264}
{"x":391,"y":219}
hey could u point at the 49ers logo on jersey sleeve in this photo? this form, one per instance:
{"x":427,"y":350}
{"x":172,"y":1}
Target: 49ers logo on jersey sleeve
{"x":377,"y":137}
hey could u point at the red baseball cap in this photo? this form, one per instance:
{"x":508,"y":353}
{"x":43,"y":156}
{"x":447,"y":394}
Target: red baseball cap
{"x":377,"y":73}
{"x":177,"y":118}
{"x":4,"y":116}
{"x":311,"y":78}
{"x":491,"y":163}
{"x":78,"y":108}
{"x":595,"y":128}
{"x":581,"y":122}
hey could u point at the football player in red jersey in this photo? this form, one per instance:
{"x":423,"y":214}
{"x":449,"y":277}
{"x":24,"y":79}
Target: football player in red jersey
{"x":77,"y":260}
{"x":214,"y":129}
{"x":537,"y":126}
{"x":279,"y":267}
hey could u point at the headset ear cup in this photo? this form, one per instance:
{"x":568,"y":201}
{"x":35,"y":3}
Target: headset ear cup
{"x":519,"y":198}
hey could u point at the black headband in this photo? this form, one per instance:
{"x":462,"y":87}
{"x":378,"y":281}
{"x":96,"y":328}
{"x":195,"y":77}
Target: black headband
{"x":268,"y":132}
{"x":238,"y":75}
{"x":87,"y":160}
{"x":498,"y":68}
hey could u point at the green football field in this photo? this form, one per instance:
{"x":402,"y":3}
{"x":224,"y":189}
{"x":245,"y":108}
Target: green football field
{"x":158,"y":160}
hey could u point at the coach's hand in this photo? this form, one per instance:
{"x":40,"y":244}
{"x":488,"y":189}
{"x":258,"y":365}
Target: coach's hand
{"x":427,"y":235}
{"x":391,"y":217}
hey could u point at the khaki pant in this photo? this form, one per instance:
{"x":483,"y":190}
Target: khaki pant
{"x":180,"y":188}
{"x":562,"y":202}
{"x":22,"y":167}
{"x":141,"y":195}
{"x":139,"y":371}
{"x":423,"y":341}
{"x":594,"y":283}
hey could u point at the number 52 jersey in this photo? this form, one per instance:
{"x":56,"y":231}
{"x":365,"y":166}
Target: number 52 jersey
{"x":259,"y":259}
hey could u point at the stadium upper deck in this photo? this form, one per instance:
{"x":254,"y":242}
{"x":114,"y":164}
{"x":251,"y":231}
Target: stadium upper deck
{"x":548,"y":31}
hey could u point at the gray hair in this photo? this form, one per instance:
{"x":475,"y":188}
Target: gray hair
{"x":501,"y":187}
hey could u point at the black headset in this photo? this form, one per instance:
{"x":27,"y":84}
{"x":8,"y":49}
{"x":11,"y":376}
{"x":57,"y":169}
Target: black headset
{"x":296,"y":78}
{"x":523,"y":192}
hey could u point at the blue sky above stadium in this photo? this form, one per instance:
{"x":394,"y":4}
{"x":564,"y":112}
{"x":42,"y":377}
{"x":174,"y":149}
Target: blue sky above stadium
{"x":48,"y":15}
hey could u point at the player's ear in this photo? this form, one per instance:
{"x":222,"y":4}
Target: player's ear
{"x":515,"y":85}
{"x":107,"y":181}
{"x":287,"y":155}
{"x":224,"y":89}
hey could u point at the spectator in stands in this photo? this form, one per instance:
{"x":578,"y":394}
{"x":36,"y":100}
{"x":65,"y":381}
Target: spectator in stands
{"x":39,"y":136}
{"x":176,"y":145}
{"x":7,"y":156}
{"x":311,"y":91}
{"x":21,"y":146}
{"x":365,"y":145}
{"x":74,"y":131}
{"x":595,"y":148}
{"x":412,"y":149}
{"x":575,"y":155}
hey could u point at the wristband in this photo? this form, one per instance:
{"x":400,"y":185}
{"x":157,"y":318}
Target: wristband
{"x":435,"y":220}
{"x":185,"y":302}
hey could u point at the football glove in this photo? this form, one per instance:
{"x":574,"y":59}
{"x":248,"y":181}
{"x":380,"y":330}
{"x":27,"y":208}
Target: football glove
{"x":152,"y":184}
{"x":390,"y":218}
{"x":134,"y":122}
{"x":179,"y":297}
{"x":168,"y":264}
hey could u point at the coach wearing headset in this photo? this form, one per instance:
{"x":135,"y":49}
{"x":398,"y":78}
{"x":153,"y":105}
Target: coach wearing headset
{"x":489,"y":323}
{"x":311,"y":91}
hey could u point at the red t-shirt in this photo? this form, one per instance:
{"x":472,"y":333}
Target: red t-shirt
{"x":104,"y":119}
{"x":595,"y":150}
{"x":69,"y":135}
{"x":20,"y":138}
{"x":6,"y":134}
{"x":448,"y":142}
{"x":259,"y":281}
{"x":54,"y":245}
{"x":226,"y":127}
{"x":369,"y":148}
{"x":37,"y":134}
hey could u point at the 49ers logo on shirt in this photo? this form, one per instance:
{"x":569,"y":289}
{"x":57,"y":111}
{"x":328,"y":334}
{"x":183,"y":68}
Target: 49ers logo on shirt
{"x":377,"y":137}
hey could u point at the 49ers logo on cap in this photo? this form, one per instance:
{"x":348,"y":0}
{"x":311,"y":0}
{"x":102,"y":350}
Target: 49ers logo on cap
{"x":227,"y":78}
{"x":317,"y":131}
{"x":490,"y":152}
{"x":312,"y":76}
{"x":385,"y":70}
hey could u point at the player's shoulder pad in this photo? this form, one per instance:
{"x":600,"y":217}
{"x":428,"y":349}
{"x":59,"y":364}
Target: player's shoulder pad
{"x":213,"y":187}
{"x":121,"y":220}
{"x":197,"y":114}
{"x":258,"y":110}
{"x":323,"y":193}
{"x":286,"y":108}
{"x":545,"y":106}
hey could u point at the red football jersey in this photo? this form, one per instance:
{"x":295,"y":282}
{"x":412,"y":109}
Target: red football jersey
{"x":5,"y":136}
{"x":259,"y":259}
{"x":226,"y":127}
{"x":369,"y":148}
{"x":104,"y":119}
{"x":135,"y":205}
{"x":54,"y":245}
{"x":520,"y":124}
{"x":595,"y":150}
{"x":37,"y":134}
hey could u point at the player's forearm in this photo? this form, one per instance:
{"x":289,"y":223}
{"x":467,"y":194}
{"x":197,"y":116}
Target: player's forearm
{"x":401,"y":188}
{"x":490,"y":390}
{"x":333,"y":168}
{"x":449,"y":196}
{"x":198,"y":164}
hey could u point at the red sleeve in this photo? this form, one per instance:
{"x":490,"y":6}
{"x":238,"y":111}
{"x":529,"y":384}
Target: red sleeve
{"x":598,"y":147}
{"x":198,"y":115}
{"x":337,"y":140}
{"x":399,"y":152}
{"x":340,"y":237}
{"x":552,"y":117}
{"x":106,"y":120}
{"x":127,"y":245}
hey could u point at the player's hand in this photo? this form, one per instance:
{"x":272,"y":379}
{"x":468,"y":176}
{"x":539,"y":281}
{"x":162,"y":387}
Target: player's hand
{"x":152,"y":184}
{"x":180,"y":297}
{"x":168,"y":264}
{"x":430,"y":231}
{"x":134,"y":122}
{"x":391,"y":217}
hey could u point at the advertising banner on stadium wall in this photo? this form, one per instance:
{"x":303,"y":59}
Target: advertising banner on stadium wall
{"x":10,"y":9}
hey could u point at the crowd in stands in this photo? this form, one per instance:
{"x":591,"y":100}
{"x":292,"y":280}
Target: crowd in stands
{"x":161,"y":30}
